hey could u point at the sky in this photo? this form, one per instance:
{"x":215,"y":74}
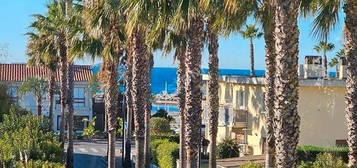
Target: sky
{"x":233,"y":51}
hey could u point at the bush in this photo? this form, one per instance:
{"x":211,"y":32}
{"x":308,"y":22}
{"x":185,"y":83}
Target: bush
{"x":26,"y":138}
{"x":153,"y":149}
{"x":163,"y":114}
{"x":159,"y":126}
{"x":171,"y":137}
{"x":167,"y":154}
{"x":227,"y":149}
{"x":251,"y":165}
{"x":310,"y":153}
{"x":324,"y":160}
{"x":39,"y":164}
{"x":90,"y":131}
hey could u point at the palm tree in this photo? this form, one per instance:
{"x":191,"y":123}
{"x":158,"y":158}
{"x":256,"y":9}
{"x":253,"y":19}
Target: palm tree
{"x":351,"y":85}
{"x":324,"y":47}
{"x":286,"y":119}
{"x":54,"y":23}
{"x":38,"y":87}
{"x":42,"y":52}
{"x":336,"y":60}
{"x":251,"y":33}
{"x":104,"y":24}
{"x":265,"y":15}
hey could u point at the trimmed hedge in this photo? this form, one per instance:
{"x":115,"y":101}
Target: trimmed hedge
{"x":310,"y":153}
{"x":251,"y":165}
{"x":153,"y":149}
{"x":171,"y":137}
{"x":167,"y":154}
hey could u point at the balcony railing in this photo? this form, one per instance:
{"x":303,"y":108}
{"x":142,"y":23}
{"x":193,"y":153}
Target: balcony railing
{"x":240,"y":119}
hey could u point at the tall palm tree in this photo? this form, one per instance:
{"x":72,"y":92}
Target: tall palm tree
{"x":251,"y":32}
{"x":190,"y":19}
{"x":265,"y":15}
{"x":54,"y":23}
{"x":286,"y":119}
{"x":336,"y":60}
{"x":324,"y":47}
{"x":38,"y":87}
{"x":104,"y":24}
{"x":351,"y":85}
{"x":42,"y":52}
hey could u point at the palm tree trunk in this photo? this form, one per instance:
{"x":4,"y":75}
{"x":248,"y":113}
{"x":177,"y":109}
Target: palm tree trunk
{"x":129,"y":108}
{"x":51,"y":91}
{"x":325,"y":66}
{"x":252,"y":69}
{"x":110,"y":72}
{"x":286,"y":80}
{"x":64,"y":92}
{"x":193,"y":108}
{"x":213,"y":87}
{"x":181,"y":75}
{"x":139,"y":68}
{"x":70,"y":82}
{"x":351,"y":85}
{"x":39,"y":106}
{"x":150,"y":64}
{"x":270,"y":94}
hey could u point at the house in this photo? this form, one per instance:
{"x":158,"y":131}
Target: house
{"x":321,"y":105}
{"x":13,"y":75}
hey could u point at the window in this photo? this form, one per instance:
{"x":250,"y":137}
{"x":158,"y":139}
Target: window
{"x":80,"y":122}
{"x":79,"y":97}
{"x":241,"y":102}
{"x":57,"y":101}
{"x":341,"y":143}
{"x":13,"y":92}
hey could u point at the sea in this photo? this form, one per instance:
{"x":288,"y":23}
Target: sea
{"x":164,"y":79}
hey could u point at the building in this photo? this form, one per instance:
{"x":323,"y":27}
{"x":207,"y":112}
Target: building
{"x":321,"y":105}
{"x":13,"y":75}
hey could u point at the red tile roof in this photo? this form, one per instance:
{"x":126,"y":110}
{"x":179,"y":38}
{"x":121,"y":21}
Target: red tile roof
{"x":20,"y":72}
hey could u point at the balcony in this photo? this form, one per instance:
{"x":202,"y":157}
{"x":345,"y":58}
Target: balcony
{"x":240,"y":120}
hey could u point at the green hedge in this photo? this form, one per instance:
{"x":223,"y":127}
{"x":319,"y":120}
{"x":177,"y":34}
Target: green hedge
{"x":153,"y":149}
{"x":167,"y":154}
{"x":171,"y":137}
{"x":310,"y":153}
{"x":251,"y":165}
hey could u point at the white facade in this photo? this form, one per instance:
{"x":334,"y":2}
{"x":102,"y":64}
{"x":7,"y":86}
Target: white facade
{"x":82,"y":104}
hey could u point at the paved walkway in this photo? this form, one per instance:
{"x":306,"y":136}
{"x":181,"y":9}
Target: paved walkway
{"x":91,"y":154}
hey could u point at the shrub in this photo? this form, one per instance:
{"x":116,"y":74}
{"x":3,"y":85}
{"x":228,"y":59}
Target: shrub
{"x":163,"y":114}
{"x":251,"y":165}
{"x":167,"y":154}
{"x":324,"y":160}
{"x":227,"y":149}
{"x":310,"y":153}
{"x":159,"y":126}
{"x":171,"y":137}
{"x":90,"y":131}
{"x":153,"y":149}
{"x":39,"y":164}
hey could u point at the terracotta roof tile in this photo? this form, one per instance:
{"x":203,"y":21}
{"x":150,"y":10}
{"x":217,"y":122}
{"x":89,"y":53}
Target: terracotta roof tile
{"x":20,"y":72}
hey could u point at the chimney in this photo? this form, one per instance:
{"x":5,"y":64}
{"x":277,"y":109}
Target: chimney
{"x":313,"y":67}
{"x":342,"y":68}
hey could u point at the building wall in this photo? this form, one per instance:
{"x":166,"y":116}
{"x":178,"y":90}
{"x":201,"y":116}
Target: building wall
{"x":321,"y":109}
{"x":28,"y":102}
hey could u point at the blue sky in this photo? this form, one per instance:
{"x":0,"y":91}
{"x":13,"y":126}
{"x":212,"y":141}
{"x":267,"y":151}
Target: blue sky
{"x":233,"y":52}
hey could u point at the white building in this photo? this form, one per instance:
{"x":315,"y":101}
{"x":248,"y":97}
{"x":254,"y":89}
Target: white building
{"x":13,"y":75}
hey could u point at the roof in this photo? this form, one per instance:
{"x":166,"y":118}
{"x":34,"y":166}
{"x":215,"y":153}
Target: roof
{"x":20,"y":72}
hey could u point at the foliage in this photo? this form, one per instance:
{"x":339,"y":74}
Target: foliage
{"x":154,"y":144}
{"x":159,"y":126}
{"x":310,"y":153}
{"x":227,"y":149}
{"x":252,"y":165}
{"x":39,"y":164}
{"x":6,"y":101}
{"x":167,"y":154}
{"x":120,"y":128}
{"x":170,"y":137}
{"x":324,"y":160}
{"x":38,"y":86}
{"x":251,"y":32}
{"x":163,"y":114}
{"x":24,"y":137}
{"x":90,"y":130}
{"x":324,"y":47}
